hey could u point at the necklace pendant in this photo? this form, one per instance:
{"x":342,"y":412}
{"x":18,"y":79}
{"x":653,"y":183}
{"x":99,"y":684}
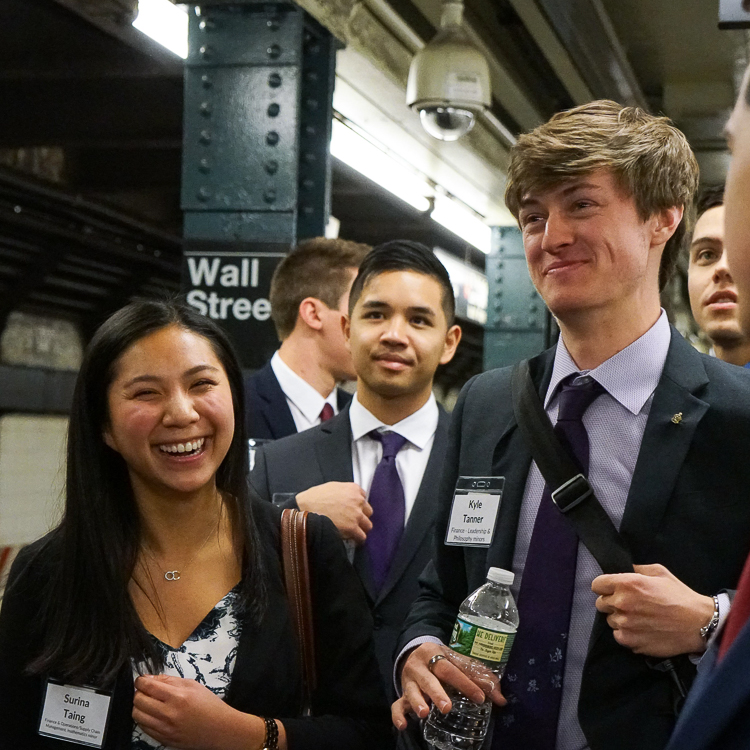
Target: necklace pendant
{"x":172,"y":575}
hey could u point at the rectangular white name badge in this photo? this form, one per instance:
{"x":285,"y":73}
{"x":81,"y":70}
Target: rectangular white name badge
{"x":474,"y":511}
{"x":75,"y":714}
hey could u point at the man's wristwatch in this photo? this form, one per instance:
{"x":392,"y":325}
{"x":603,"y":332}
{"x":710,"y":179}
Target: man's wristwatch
{"x":713,"y":623}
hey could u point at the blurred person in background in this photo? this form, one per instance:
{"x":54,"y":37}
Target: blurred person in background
{"x":309,"y":297}
{"x":713,"y":293}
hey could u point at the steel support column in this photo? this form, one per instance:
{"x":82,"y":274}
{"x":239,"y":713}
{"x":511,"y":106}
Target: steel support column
{"x":518,"y":323}
{"x":256,"y":166}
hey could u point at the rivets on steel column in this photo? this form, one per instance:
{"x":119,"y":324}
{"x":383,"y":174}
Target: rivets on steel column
{"x":307,"y":210}
{"x":204,"y":165}
{"x":273,"y":110}
{"x":269,"y":196}
{"x":206,"y":81}
{"x":308,"y":157}
{"x":274,"y":80}
{"x":272,"y":138}
{"x":205,"y":109}
{"x":308,"y":183}
{"x":310,"y":130}
{"x":311,"y":76}
{"x":273,"y":24}
{"x":274,"y":51}
{"x":311,"y":104}
{"x":205,"y":137}
{"x":207,"y":24}
{"x":271,"y":166}
{"x":204,"y":194}
{"x":206,"y":51}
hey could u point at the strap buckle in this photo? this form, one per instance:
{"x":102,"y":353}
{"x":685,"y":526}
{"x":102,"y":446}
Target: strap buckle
{"x":572,"y":493}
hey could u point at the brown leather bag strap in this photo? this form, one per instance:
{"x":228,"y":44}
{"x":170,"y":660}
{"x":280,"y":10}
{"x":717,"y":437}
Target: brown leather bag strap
{"x":297,"y":581}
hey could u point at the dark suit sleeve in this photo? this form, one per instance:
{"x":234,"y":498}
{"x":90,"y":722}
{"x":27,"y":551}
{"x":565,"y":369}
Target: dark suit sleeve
{"x":260,"y":482}
{"x":20,"y":693}
{"x":349,"y":706}
{"x":443,"y":584}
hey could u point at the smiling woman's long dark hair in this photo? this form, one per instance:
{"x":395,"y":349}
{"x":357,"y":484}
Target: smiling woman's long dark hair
{"x":90,"y":625}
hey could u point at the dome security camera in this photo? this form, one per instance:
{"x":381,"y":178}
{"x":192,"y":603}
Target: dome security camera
{"x":449,"y":79}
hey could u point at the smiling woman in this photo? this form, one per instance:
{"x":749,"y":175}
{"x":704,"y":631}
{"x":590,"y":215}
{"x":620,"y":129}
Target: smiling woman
{"x":149,"y":603}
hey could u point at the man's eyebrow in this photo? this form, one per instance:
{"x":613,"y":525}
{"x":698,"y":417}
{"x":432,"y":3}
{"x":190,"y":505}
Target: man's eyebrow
{"x":567,"y":190}
{"x":155,"y":378}
{"x":376,"y":304}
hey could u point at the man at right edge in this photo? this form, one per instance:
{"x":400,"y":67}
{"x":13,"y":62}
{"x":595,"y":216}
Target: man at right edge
{"x":717,"y":712}
{"x":599,"y":192}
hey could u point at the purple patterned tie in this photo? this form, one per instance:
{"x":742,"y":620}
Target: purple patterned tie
{"x":388,"y":508}
{"x":534,"y":677}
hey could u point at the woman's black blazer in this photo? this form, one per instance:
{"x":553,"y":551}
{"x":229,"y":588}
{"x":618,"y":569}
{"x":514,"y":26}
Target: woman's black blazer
{"x":349,"y":708}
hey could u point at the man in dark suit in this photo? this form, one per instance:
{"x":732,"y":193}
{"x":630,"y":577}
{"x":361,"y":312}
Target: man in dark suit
{"x":309,"y":296}
{"x":717,"y":712}
{"x":599,"y":193}
{"x":374,"y":468}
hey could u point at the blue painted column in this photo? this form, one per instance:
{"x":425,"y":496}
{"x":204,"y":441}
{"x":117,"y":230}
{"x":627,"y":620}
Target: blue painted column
{"x":518,"y":323}
{"x":256,"y":166}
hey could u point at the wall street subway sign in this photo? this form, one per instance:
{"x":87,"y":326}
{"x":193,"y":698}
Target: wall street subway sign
{"x":232,"y":288}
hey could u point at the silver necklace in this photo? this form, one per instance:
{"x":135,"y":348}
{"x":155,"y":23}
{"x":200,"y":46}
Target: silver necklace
{"x":175,"y":575}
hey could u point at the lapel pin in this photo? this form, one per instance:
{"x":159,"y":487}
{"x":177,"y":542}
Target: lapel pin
{"x":677,"y":418}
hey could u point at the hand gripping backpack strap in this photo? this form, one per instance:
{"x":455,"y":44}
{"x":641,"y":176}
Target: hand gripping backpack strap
{"x":575,"y":498}
{"x":297,"y":583}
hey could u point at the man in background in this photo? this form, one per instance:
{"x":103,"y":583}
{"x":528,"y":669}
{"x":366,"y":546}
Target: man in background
{"x":374,"y":469}
{"x":309,"y":296}
{"x":713,"y":293}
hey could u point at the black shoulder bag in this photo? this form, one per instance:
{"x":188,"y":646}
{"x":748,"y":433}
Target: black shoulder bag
{"x":575,"y":498}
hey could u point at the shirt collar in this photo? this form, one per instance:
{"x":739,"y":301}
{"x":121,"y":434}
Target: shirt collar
{"x":630,"y":376}
{"x":417,"y":428}
{"x":299,"y":391}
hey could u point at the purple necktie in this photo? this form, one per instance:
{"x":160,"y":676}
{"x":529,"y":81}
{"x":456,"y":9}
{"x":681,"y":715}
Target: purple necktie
{"x":534,"y":677}
{"x":388,"y":508}
{"x":326,"y":412}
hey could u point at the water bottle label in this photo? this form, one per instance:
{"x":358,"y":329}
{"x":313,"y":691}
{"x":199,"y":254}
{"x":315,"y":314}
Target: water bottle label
{"x":486,"y":645}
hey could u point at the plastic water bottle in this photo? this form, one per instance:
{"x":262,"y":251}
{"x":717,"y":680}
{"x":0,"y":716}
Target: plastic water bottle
{"x":485,"y":629}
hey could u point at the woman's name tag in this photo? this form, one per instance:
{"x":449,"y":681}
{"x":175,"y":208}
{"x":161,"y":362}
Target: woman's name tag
{"x":75,"y":714}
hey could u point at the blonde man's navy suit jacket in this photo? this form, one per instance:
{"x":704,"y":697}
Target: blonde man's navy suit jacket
{"x":687,"y":509}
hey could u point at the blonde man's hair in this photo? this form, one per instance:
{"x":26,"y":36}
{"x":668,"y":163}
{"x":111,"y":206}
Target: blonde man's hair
{"x":649,"y":157}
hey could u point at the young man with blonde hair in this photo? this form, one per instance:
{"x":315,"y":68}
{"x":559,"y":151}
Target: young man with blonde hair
{"x":309,"y":296}
{"x":600,"y":193}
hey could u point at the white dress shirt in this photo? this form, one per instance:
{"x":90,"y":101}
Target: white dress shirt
{"x":304,"y":401}
{"x":418,"y":429}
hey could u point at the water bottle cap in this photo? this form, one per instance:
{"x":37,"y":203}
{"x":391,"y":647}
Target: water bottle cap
{"x":498,"y":575}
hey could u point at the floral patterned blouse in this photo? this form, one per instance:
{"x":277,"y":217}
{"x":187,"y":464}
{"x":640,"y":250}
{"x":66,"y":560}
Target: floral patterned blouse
{"x":207,"y":656}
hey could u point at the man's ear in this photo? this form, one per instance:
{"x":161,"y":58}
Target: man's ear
{"x":451,"y":343}
{"x":309,"y":313}
{"x":665,"y":224}
{"x":346,"y":327}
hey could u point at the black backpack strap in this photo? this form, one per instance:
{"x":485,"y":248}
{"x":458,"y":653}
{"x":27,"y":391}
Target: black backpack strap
{"x":571,"y":491}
